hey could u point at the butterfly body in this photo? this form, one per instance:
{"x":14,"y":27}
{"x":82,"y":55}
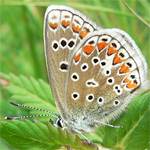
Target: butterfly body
{"x":93,"y":72}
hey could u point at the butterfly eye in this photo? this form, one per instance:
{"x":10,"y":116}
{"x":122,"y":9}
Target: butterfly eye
{"x":84,"y":67}
{"x":90,"y":97}
{"x":115,"y":44}
{"x":75,"y":95}
{"x":116,"y":102}
{"x":95,"y":60}
{"x":59,"y":123}
{"x":75,"y":76}
{"x":100,"y":100}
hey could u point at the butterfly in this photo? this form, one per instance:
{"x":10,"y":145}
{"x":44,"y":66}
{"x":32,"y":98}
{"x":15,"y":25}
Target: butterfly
{"x":93,"y":72}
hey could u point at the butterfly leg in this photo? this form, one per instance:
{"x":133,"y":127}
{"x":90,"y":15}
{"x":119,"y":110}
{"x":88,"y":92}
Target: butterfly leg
{"x":106,"y":124}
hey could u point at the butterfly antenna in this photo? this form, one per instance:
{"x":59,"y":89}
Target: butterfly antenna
{"x":32,"y":108}
{"x":26,"y":117}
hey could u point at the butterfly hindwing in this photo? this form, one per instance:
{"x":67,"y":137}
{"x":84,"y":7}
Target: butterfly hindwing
{"x":64,"y":28}
{"x":109,"y":70}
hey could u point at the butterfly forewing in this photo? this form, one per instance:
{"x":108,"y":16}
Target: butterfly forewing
{"x":110,"y":68}
{"x":64,"y":29}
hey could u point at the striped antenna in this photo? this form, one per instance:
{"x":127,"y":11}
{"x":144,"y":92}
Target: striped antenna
{"x":33,"y":108}
{"x":26,"y":117}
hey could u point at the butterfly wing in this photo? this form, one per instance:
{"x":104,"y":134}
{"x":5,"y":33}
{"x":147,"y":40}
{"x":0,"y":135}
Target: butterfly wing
{"x":64,"y":28}
{"x":110,"y":69}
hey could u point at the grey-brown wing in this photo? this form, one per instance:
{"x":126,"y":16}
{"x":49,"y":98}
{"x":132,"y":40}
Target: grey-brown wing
{"x":109,"y":70}
{"x":64,"y":28}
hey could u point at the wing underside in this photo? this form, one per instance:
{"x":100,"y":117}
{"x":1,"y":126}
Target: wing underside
{"x":64,"y":28}
{"x":110,"y":68}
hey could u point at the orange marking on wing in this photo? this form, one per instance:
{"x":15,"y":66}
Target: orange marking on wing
{"x":65,"y":23}
{"x":88,"y":49}
{"x":124,"y":69}
{"x":75,"y":28}
{"x":53,"y":25}
{"x":77,"y":57}
{"x":126,"y":80}
{"x":101,"y":45}
{"x":83,"y":34}
{"x":111,"y":51}
{"x":131,"y":85}
{"x":116,"y":60}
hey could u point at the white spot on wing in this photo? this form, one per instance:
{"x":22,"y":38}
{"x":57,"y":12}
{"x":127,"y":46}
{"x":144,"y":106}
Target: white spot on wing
{"x":123,"y":54}
{"x":100,"y":100}
{"x":75,"y":76}
{"x":110,"y":81}
{"x":54,"y":18}
{"x":84,"y":67}
{"x":90,"y":97}
{"x":75,"y":95}
{"x":105,"y":38}
{"x":92,"y":83}
{"x":76,"y":22}
{"x":107,"y":72}
{"x":62,"y":41}
{"x":95,"y":60}
{"x":115,"y":44}
{"x":55,"y":45}
{"x":117,"y":89}
{"x":116,"y":102}
{"x":65,"y":63}
{"x":71,"y":44}
{"x":66,"y":17}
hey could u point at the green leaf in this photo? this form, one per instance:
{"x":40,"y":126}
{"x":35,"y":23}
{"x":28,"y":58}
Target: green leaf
{"x":21,"y":52}
{"x":29,"y":91}
{"x":134,"y":122}
{"x":134,"y":133}
{"x":27,"y":135}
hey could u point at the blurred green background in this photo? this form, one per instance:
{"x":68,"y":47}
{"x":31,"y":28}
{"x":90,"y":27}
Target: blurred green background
{"x":21,"y":29}
{"x":21,"y":32}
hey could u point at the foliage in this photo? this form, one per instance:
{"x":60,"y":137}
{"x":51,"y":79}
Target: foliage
{"x":21,"y":52}
{"x":33,"y":92}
